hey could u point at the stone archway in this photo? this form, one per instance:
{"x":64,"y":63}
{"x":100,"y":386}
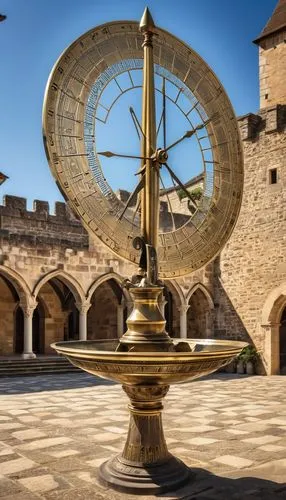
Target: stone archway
{"x":105,"y":317}
{"x":65,"y":278}
{"x":61,"y":295}
{"x":172,"y":301}
{"x":121,"y":306}
{"x":272,"y":330}
{"x":14,"y":295}
{"x":200,"y":313}
{"x":282,"y":341}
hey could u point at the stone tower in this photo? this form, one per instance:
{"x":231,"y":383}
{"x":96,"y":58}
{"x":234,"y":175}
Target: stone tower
{"x":251,"y":273}
{"x":272,"y":58}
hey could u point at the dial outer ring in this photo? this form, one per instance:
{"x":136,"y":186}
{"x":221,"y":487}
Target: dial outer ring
{"x":195,"y":244}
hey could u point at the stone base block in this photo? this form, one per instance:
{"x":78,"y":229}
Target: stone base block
{"x":142,"y":479}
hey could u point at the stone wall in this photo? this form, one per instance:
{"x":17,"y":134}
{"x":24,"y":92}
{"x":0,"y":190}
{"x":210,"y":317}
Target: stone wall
{"x":39,"y":227}
{"x":253,"y":263}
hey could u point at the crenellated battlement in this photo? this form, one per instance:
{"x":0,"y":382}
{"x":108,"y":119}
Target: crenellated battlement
{"x":268,"y":120}
{"x":16,"y":206}
{"x":39,"y":226}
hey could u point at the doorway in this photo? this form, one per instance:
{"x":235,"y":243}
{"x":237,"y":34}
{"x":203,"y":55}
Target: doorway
{"x":282,"y":335}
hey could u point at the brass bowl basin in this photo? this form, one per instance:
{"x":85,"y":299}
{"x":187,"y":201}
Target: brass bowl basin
{"x":100,"y":358}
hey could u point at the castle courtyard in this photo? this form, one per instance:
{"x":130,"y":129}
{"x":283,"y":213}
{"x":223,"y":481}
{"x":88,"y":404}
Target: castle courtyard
{"x":184,"y":242}
{"x":56,"y":430}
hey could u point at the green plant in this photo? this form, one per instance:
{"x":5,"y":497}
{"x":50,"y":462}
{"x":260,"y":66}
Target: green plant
{"x":248,"y":353}
{"x":195,"y":194}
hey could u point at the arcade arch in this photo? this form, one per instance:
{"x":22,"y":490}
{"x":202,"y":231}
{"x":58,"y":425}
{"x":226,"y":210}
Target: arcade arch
{"x":273,"y":326}
{"x":15,"y":294}
{"x":171,"y":306}
{"x":107,"y":315}
{"x":61,"y":296}
{"x":200,"y":312}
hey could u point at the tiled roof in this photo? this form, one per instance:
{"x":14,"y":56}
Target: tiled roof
{"x":277,"y":21}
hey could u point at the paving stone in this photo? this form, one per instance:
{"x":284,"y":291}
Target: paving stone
{"x":197,"y":429}
{"x":96,"y":462}
{"x":116,"y":430}
{"x":6,"y":451}
{"x":17,"y":465}
{"x":28,"y":434}
{"x":201,"y":441}
{"x":45,"y":443}
{"x":39,"y":483}
{"x":261,"y":440}
{"x":233,"y":461}
{"x":272,"y":448}
{"x":18,"y":412}
{"x":29,"y":418}
{"x":63,"y":453}
{"x":9,"y":426}
{"x":237,"y":431}
{"x":104,"y":437}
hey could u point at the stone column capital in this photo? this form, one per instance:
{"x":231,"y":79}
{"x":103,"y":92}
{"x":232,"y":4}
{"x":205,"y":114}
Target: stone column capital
{"x":28,"y":307}
{"x":183,"y":308}
{"x":83,"y":307}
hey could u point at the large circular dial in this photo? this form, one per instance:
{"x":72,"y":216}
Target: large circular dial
{"x":92,"y":93}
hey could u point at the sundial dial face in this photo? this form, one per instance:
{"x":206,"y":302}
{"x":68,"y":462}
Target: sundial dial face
{"x":102,"y":71}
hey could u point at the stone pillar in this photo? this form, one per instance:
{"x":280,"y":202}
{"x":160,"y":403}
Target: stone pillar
{"x":28,"y":310}
{"x":83,"y":309}
{"x":120,"y":319}
{"x":161,"y":303}
{"x":183,"y":309}
{"x":209,"y":324}
{"x":271,"y":355}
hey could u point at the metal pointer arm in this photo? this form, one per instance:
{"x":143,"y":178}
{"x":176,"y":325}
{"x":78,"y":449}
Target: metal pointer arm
{"x":133,"y":195}
{"x":173,"y":175}
{"x":136,"y":123}
{"x":110,"y":154}
{"x":188,"y":134}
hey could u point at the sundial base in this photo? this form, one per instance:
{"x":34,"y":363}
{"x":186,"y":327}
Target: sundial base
{"x":141,"y":479}
{"x":145,"y":465}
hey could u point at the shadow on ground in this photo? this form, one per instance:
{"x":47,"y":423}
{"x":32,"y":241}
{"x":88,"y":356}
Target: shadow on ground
{"x":40,"y":383}
{"x":64,"y":381}
{"x":204,"y":485}
{"x":226,"y":376}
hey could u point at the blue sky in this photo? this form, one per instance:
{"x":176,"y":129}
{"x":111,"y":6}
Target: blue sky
{"x":37,"y":31}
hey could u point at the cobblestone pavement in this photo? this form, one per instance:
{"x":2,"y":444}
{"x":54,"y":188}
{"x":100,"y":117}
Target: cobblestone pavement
{"x":56,"y":430}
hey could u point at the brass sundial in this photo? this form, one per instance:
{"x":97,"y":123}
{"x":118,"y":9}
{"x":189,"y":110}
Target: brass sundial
{"x":98,"y":71}
{"x":145,"y":360}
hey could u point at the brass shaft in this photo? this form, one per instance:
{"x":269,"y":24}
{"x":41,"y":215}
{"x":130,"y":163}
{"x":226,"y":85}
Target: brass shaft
{"x":150,"y":193}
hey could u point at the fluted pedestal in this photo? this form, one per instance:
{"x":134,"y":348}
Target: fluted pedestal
{"x":145,"y":465}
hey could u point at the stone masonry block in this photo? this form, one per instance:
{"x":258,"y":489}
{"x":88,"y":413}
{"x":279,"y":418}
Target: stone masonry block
{"x":15,"y":203}
{"x":248,"y":126}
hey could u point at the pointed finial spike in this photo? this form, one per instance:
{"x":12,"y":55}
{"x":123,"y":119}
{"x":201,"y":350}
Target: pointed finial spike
{"x":146,"y":23}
